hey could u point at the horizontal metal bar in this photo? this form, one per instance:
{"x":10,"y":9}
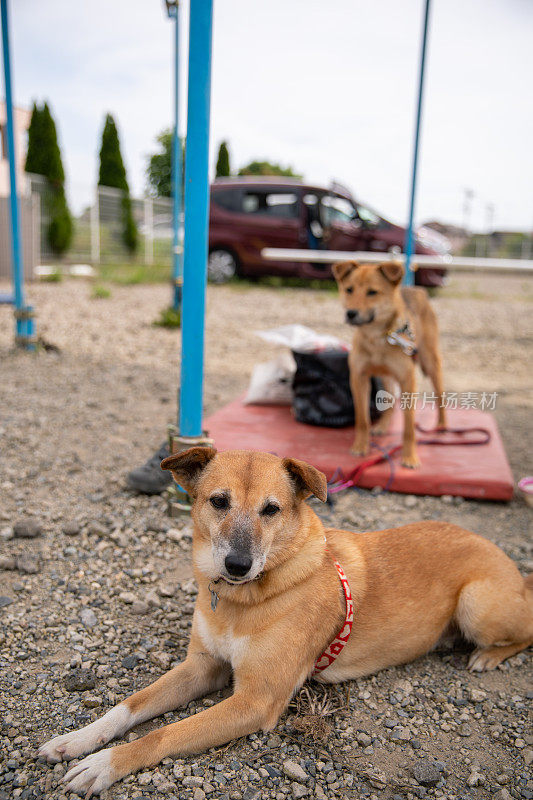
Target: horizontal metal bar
{"x":455,"y":264}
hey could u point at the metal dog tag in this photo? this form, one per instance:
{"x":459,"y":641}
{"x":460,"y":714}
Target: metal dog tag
{"x":214,"y":599}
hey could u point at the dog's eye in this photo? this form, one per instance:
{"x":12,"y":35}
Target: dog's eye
{"x":219,"y":501}
{"x":349,"y":290}
{"x":269,"y":510}
{"x":371,"y":292}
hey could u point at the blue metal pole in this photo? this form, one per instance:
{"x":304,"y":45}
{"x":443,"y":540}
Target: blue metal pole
{"x":409,"y":277}
{"x":177,"y":172}
{"x":196,"y":217}
{"x":23,"y":323}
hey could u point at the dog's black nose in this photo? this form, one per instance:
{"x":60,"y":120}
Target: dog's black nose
{"x":352,"y":314}
{"x":238,"y":564}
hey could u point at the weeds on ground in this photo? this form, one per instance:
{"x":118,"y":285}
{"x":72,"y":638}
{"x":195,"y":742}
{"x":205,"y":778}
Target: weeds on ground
{"x":100,"y":293}
{"x":168,"y":318}
{"x":53,"y":277}
{"x":125,"y":274}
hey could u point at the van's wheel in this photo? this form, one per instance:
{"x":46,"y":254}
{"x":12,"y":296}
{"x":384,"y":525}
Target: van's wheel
{"x":221,"y":266}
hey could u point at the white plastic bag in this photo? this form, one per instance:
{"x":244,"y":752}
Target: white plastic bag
{"x":271,"y":382}
{"x":302,"y":339}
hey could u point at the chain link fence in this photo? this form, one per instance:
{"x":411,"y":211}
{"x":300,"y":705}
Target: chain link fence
{"x":98,"y":230}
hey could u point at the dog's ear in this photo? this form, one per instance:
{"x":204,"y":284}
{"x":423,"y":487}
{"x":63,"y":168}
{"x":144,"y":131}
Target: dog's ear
{"x":342,"y":269}
{"x":306,"y":479}
{"x":187,"y":466}
{"x":393,"y":271}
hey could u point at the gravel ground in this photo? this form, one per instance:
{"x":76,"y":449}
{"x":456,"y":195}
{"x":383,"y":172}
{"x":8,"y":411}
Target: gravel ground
{"x":96,"y":579}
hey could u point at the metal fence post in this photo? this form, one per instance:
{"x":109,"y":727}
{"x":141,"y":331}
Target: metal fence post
{"x":196,"y":217}
{"x":95,"y":228}
{"x":148,"y":231}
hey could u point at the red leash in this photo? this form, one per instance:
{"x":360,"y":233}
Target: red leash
{"x":438,"y":437}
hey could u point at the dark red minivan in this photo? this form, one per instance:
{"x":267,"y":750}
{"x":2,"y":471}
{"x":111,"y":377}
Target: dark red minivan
{"x":249,"y":214}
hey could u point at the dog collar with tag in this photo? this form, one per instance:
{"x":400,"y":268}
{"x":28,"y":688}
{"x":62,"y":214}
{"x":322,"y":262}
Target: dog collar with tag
{"x":403,"y":337}
{"x":338,"y":644}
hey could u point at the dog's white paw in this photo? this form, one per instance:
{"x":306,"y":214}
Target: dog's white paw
{"x":70,"y":745}
{"x":92,"y":775}
{"x":85,"y":740}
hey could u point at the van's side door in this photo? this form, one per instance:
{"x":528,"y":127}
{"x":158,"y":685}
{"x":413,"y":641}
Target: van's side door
{"x":269,"y":216}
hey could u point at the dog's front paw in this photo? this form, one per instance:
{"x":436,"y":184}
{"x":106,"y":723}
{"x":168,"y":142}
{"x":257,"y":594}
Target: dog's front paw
{"x":92,"y":775}
{"x":359,"y":447}
{"x":70,"y":745}
{"x":410,"y":460}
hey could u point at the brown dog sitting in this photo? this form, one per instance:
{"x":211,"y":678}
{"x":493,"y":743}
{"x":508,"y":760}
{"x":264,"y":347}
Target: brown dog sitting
{"x":281,"y":599}
{"x":394,"y":326}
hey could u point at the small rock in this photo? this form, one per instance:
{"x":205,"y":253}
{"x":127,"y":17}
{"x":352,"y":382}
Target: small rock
{"x":5,"y":601}
{"x":144,"y":778}
{"x":139,"y":607}
{"x":475,"y":778}
{"x":190,"y":781}
{"x":298,"y":790}
{"x":79,"y":680}
{"x":91,"y":701}
{"x":410,"y":501}
{"x":294,"y":771}
{"x":426,"y":773}
{"x":167,"y":590}
{"x":156,"y":526}
{"x":152,"y":598}
{"x":27,"y":528}
{"x":127,"y":597}
{"x":28,"y":564}
{"x":249,"y":794}
{"x":7,"y":562}
{"x":199,"y":794}
{"x":527,"y":755}
{"x":131,"y":661}
{"x":447,"y":498}
{"x":364,"y":739}
{"x":477,"y":695}
{"x":71,"y":528}
{"x":502,"y":794}
{"x":161,"y":659}
{"x":6,"y":534}
{"x":97,"y":529}
{"x":88,"y":617}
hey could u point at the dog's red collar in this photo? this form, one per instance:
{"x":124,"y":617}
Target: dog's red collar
{"x":336,"y":647}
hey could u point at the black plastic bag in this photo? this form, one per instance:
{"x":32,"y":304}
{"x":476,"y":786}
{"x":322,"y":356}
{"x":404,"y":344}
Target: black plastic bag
{"x":321,"y":387}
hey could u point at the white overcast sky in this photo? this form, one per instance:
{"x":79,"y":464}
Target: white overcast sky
{"x":327,"y":87}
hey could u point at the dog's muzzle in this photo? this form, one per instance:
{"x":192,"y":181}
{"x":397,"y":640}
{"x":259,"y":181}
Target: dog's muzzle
{"x":354,"y":317}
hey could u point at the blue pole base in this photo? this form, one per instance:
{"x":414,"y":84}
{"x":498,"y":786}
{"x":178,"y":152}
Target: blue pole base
{"x":25,"y":328}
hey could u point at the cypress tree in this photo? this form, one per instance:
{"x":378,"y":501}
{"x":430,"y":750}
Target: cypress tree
{"x":34,"y":155}
{"x":113,"y":173}
{"x":44,"y":158}
{"x":223,"y":167}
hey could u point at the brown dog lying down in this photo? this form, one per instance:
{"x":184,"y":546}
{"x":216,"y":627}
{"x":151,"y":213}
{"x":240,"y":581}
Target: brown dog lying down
{"x":394,"y":325}
{"x":270,"y":602}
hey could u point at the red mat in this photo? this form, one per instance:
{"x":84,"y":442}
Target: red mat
{"x":479,"y":471}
